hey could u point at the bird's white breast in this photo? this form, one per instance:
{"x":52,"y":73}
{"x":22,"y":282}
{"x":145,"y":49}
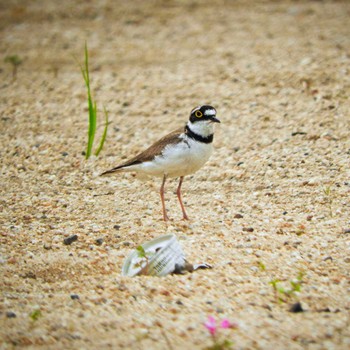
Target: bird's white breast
{"x":180,"y":159}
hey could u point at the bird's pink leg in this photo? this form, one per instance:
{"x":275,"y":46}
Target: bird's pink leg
{"x":178,"y":192}
{"x":165,"y":216}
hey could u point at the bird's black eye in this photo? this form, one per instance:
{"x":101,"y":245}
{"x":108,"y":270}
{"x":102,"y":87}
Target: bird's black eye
{"x":198,"y":114}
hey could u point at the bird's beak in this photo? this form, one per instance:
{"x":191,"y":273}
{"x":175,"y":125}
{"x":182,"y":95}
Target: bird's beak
{"x":215,"y":120}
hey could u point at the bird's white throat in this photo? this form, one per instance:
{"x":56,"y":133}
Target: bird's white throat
{"x":203,"y":128}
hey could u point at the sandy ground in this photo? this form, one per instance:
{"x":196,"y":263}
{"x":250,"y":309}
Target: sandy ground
{"x":272,"y":202}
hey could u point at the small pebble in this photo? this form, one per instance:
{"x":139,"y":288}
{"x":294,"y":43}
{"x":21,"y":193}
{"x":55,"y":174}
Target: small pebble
{"x":99,"y":241}
{"x":346,"y":230}
{"x":74,"y":296}
{"x":328,"y":258}
{"x":10,"y":314}
{"x":248,"y":229}
{"x":116,"y":227}
{"x":69,"y":240}
{"x":238,"y":216}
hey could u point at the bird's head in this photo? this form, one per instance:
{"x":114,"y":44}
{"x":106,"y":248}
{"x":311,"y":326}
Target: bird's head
{"x":205,"y":113}
{"x":202,"y":119}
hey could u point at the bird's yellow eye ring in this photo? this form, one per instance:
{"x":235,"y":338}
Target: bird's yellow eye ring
{"x":198,"y":114}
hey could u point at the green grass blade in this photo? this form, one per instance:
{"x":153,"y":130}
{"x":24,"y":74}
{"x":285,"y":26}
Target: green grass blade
{"x":104,"y":135}
{"x":92,"y":126}
{"x":91,"y":106}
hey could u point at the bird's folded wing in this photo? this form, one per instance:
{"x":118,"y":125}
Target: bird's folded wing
{"x":151,"y":152}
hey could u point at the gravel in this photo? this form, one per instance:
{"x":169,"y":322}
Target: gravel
{"x":272,"y":202}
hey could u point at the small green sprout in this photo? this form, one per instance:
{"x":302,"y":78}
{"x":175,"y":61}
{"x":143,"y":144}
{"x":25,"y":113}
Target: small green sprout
{"x":35,"y":315}
{"x":92,"y":111}
{"x":144,"y":256}
{"x":262,"y":266}
{"x":282,"y":293}
{"x":15,"y":60}
{"x":327,"y":191}
{"x":141,"y":252}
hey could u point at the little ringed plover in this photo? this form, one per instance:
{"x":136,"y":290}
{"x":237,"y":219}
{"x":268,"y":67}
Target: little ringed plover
{"x":177,"y":154}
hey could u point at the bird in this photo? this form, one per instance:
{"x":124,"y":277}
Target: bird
{"x":178,"y":154}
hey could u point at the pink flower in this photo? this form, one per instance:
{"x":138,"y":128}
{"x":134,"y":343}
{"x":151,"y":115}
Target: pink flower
{"x":212,"y":328}
{"x":225,"y":323}
{"x":211,"y":325}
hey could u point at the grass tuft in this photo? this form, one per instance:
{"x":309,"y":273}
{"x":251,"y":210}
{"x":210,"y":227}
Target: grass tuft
{"x":92,"y":106}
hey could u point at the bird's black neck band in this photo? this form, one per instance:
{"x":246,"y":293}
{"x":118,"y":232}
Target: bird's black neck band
{"x":194,"y":136}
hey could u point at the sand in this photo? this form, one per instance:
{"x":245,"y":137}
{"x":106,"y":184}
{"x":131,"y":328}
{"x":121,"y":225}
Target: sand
{"x":271,"y":204}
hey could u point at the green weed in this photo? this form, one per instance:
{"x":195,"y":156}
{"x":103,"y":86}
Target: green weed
{"x":15,"y":60}
{"x":281,"y":293}
{"x":144,"y":256}
{"x":35,"y":315}
{"x":92,"y":111}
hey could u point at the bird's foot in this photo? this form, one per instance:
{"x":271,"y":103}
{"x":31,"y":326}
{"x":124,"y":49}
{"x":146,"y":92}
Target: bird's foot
{"x":166,"y":217}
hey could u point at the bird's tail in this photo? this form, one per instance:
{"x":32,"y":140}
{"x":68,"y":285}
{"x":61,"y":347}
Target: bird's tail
{"x":118,"y":169}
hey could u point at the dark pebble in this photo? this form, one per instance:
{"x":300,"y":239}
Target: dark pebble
{"x":346,"y":230}
{"x":327,"y":309}
{"x":248,"y":229}
{"x":69,"y":240}
{"x":296,"y":307}
{"x":99,"y":241}
{"x":29,"y":274}
{"x":64,"y":154}
{"x":179,"y":302}
{"x":116,"y":227}
{"x":238,"y":216}
{"x":74,"y":296}
{"x":10,"y":314}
